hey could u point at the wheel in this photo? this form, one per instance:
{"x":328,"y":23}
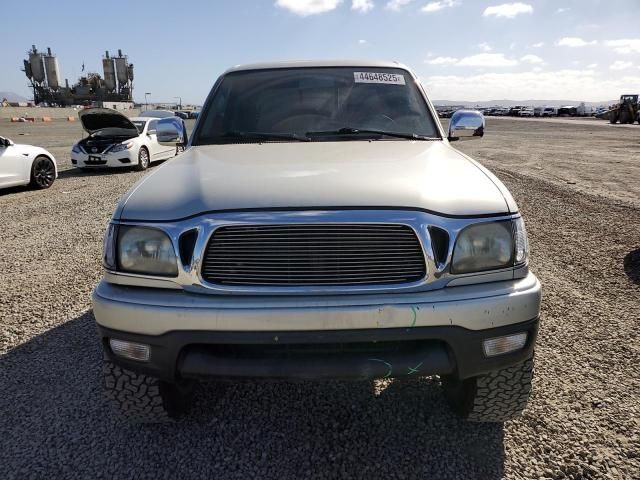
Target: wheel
{"x":625,"y":117}
{"x":143,"y":159}
{"x":144,"y":399}
{"x":496,"y":397}
{"x":43,"y":172}
{"x":613,"y":117}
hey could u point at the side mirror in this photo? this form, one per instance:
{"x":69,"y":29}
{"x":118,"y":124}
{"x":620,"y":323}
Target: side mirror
{"x":5,"y":142}
{"x":466,"y":125}
{"x":171,"y":131}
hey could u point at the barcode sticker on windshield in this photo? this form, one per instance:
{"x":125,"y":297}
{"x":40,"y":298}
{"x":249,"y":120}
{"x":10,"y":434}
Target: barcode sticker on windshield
{"x":375,"y":77}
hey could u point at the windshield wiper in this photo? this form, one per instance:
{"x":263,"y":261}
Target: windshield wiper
{"x":236,"y":134}
{"x":358,"y":131}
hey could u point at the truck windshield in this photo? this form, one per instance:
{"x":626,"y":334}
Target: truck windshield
{"x":319,"y":104}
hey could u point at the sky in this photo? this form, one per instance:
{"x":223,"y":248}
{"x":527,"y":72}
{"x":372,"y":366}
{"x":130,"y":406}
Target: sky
{"x":583,"y":50}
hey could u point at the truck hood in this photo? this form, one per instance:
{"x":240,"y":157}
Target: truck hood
{"x":413,"y":174}
{"x":95,"y":119}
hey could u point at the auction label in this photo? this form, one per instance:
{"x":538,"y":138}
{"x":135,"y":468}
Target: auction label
{"x":375,"y":77}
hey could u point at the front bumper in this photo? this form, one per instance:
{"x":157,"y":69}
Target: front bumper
{"x":360,"y":336}
{"x":125,"y":158}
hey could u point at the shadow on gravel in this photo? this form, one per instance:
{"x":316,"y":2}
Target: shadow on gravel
{"x":12,"y":190}
{"x":76,"y":172}
{"x":632,"y":265}
{"x":95,"y":172}
{"x":55,"y":423}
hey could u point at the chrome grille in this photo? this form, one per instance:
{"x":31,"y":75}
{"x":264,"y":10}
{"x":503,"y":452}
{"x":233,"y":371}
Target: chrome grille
{"x":313,"y":254}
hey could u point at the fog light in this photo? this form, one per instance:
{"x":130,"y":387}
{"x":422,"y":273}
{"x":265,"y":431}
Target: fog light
{"x":502,"y":345}
{"x":130,"y":350}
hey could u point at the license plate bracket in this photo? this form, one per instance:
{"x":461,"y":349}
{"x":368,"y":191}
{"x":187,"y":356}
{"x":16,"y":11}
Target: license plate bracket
{"x":95,"y":160}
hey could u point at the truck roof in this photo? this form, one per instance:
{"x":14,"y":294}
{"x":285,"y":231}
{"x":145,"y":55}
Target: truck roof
{"x":317,"y":63}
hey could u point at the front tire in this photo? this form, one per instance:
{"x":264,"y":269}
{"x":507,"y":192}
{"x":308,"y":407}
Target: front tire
{"x":143,"y":159}
{"x":144,"y":399}
{"x":625,"y":117}
{"x":43,"y":172}
{"x":498,"y":396}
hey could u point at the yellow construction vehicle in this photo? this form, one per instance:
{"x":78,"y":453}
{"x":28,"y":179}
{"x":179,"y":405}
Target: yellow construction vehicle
{"x":626,"y":111}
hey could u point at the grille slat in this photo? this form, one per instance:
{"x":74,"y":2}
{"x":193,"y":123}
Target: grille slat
{"x":317,"y":254}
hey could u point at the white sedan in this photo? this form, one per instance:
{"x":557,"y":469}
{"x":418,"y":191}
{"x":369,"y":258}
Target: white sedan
{"x":118,"y":141}
{"x":26,"y":165}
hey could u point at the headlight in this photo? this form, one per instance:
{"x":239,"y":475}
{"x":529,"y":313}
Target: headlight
{"x":77,"y":149}
{"x":146,"y":250}
{"x":120,"y":147}
{"x":485,"y":246}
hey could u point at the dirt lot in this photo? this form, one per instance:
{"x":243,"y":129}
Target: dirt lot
{"x":577,"y":186}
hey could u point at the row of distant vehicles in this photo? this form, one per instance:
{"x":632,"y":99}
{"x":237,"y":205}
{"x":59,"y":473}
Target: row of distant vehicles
{"x":114,"y":141}
{"x":529,"y":111}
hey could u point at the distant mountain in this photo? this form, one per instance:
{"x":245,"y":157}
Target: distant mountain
{"x":12,"y":97}
{"x":511,"y":103}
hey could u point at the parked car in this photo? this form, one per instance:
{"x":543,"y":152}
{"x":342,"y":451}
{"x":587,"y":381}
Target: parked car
{"x":26,"y":165}
{"x":116,"y":141}
{"x":515,"y":111}
{"x":567,"y":111}
{"x":549,"y":112}
{"x":183,"y":115}
{"x":527,"y":112}
{"x":600,"y":111}
{"x":319,"y":225}
{"x":194,"y":114}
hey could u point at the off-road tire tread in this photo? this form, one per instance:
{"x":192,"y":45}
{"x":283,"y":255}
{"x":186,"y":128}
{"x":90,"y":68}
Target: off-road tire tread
{"x":502,"y":394}
{"x":136,"y":396}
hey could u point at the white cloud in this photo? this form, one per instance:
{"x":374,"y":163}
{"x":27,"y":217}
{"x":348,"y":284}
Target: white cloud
{"x":574,"y":84}
{"x":397,"y":5}
{"x":591,"y":66}
{"x":308,"y":7}
{"x":508,"y":10}
{"x":485,"y":47}
{"x":487,"y":60}
{"x":533,"y":59}
{"x":439,"y":5}
{"x":625,"y":45}
{"x":562,"y":10}
{"x":620,"y":65}
{"x":536,"y":69}
{"x":442,"y":61}
{"x":362,"y":42}
{"x":538,"y":45}
{"x":574,"y":42}
{"x":362,"y":5}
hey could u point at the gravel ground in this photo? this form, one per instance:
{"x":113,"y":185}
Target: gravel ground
{"x":583,"y":420}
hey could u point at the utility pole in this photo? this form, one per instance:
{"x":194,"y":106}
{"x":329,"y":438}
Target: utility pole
{"x":146,"y":100}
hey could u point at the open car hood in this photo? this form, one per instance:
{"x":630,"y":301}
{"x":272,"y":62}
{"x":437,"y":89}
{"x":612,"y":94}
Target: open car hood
{"x":95,"y":119}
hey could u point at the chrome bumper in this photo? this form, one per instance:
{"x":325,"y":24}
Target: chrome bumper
{"x":153,"y":311}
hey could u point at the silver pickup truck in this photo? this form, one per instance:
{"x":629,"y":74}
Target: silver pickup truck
{"x":319,"y":225}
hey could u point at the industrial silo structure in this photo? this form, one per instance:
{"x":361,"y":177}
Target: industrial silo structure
{"x":37,"y":65}
{"x":122,"y":70}
{"x":27,"y":69}
{"x":52,"y":70}
{"x":109,"y":73}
